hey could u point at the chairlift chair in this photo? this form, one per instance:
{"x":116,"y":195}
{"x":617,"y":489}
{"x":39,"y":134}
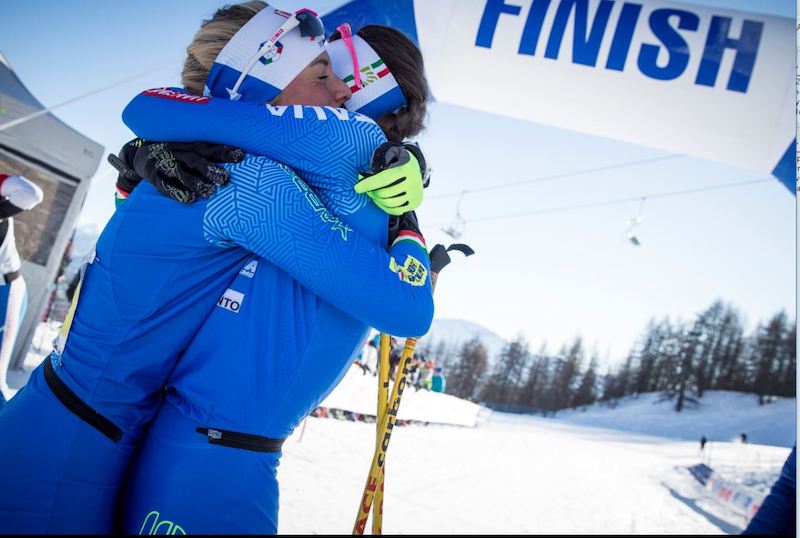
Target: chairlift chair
{"x":456,"y":228}
{"x":633,"y":224}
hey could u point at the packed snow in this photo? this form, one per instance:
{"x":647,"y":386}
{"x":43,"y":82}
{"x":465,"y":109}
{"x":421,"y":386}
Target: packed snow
{"x":523,"y":474}
{"x":599,"y":471}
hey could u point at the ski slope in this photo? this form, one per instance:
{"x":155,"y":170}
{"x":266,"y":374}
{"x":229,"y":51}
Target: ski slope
{"x":719,"y":415}
{"x":520,"y":474}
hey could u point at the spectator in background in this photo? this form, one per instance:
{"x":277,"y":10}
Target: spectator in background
{"x":438,"y":382}
{"x":425,"y":371}
{"x":368,"y":358}
{"x":17,"y":194}
{"x":413,"y":372}
{"x":394,"y":357}
{"x":430,"y":364}
{"x":703,"y":441}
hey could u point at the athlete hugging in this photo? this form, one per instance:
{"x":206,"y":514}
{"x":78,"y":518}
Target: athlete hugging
{"x":231,"y":291}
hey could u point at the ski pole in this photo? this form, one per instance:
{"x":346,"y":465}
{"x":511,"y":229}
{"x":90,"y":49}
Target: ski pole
{"x":439,"y":259}
{"x":383,"y":397}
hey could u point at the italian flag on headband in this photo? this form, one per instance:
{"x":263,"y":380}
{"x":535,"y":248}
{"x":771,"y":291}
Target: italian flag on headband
{"x":369,"y":74}
{"x":379,"y":93}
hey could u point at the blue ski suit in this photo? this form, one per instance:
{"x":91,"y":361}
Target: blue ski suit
{"x":159,"y":269}
{"x":778,"y":513}
{"x":250,"y":376}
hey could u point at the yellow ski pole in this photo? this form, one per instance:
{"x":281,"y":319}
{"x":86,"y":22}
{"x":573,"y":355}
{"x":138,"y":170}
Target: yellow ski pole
{"x":383,"y":397}
{"x":386,"y":425}
{"x":439,"y":259}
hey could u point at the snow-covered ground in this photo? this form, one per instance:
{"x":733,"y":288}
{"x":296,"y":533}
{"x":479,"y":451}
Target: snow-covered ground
{"x":511,"y":474}
{"x":602,"y":471}
{"x":520,"y":474}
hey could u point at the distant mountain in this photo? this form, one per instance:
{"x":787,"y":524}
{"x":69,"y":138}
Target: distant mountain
{"x":455,"y":332}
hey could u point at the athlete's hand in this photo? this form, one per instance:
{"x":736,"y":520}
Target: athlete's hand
{"x":399,"y":175}
{"x":181,"y":170}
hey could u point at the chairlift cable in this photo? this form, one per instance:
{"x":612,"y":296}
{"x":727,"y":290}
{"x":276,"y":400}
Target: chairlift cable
{"x":556,"y":176}
{"x":49,"y":109}
{"x":621,"y":200}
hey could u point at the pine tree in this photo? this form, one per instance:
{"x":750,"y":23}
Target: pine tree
{"x":585,"y":395}
{"x":566,"y":373}
{"x":728,"y":358}
{"x":710,"y":334}
{"x":507,"y":374}
{"x":534,"y":393}
{"x":466,"y":374}
{"x":689,"y":346}
{"x":769,"y":341}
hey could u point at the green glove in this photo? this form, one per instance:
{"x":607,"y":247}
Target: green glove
{"x":397,"y":189}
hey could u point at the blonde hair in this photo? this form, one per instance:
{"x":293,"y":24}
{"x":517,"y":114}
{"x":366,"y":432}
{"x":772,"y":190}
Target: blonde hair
{"x":211,"y":38}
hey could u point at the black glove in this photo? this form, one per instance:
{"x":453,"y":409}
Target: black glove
{"x":440,"y":256}
{"x":181,"y":170}
{"x":406,"y":221}
{"x":389,"y":154}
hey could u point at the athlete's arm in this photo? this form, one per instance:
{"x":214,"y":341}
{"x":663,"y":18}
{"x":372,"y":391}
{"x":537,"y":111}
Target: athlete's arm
{"x":311,"y":140}
{"x":269,"y":210}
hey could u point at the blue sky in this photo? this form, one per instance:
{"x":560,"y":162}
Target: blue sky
{"x":551,"y":275}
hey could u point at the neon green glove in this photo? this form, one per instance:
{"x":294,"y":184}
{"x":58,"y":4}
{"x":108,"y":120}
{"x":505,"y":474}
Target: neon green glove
{"x":398,"y":188}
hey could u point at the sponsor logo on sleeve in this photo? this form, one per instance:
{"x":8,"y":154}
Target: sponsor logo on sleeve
{"x":412,"y":271}
{"x":173,"y":95}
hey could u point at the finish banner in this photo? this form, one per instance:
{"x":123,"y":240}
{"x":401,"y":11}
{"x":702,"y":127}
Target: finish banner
{"x":705,"y":82}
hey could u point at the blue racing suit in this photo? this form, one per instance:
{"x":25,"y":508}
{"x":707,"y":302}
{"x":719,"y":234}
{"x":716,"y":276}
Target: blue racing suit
{"x":251,"y":373}
{"x":159,"y":268}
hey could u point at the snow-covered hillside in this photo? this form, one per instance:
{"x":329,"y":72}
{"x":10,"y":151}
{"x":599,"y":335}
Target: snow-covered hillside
{"x":720,"y":416}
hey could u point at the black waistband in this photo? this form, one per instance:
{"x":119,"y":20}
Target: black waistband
{"x":245,"y":441}
{"x":11,"y":277}
{"x":77,"y":406}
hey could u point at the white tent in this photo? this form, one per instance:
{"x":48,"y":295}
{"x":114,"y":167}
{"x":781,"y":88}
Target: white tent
{"x":62,"y":162}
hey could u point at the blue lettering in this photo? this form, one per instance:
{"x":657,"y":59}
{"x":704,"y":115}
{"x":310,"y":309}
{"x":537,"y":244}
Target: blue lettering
{"x":584,"y":49}
{"x":676,"y":46}
{"x":533,"y":27}
{"x":746,"y":48}
{"x":491,"y":14}
{"x":623,"y":36}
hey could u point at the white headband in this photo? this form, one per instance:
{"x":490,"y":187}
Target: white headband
{"x":379,"y":92}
